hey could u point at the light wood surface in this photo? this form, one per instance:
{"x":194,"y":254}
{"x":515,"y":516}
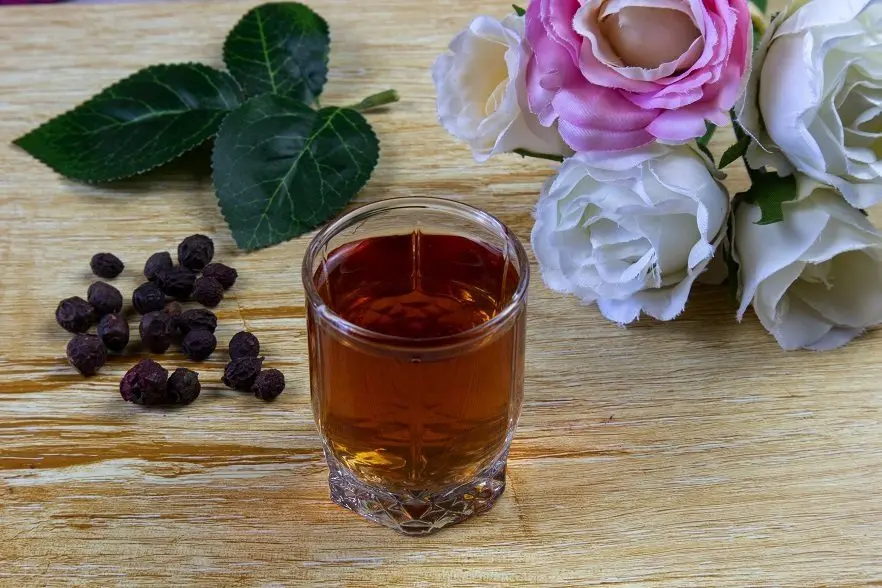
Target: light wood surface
{"x":693,"y":453}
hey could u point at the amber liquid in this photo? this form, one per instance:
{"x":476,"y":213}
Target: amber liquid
{"x":414,"y":415}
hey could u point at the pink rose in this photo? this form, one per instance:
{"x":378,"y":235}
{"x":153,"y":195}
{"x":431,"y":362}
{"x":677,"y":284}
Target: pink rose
{"x":618,"y":74}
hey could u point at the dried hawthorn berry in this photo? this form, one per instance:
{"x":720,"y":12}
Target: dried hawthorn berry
{"x":195,"y":252}
{"x":268,"y":384}
{"x":156,"y":331}
{"x":199,"y":344}
{"x":86,"y":353}
{"x":156,"y":264}
{"x":182,"y":387}
{"x":106,"y":265}
{"x":198,"y":318}
{"x":244,"y":344}
{"x":241,"y":373}
{"x":208,"y":292}
{"x":177,"y":282}
{"x":104,"y":298}
{"x":145,"y":383}
{"x":148,"y":297}
{"x":222,"y":273}
{"x":174,"y":310}
{"x":75,"y":315}
{"x":114,"y":332}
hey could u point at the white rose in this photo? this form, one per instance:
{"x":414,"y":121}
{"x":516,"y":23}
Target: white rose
{"x":815,"y":96}
{"x":631,"y":232}
{"x":815,"y":279}
{"x":482,"y":92}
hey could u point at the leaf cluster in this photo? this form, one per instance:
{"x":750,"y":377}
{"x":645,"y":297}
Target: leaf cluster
{"x":281,"y":165}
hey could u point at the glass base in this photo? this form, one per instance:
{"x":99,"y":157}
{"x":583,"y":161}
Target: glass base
{"x":417,"y":513}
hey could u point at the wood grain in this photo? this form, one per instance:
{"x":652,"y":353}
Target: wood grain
{"x":694,"y":453}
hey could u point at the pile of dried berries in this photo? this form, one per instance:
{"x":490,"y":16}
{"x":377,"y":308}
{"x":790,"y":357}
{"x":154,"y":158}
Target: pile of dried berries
{"x":148,"y":383}
{"x":245,"y":373}
{"x":164,"y":321}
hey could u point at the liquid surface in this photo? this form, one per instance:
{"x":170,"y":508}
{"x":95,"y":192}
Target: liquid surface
{"x":400,"y":420}
{"x":418,"y":286}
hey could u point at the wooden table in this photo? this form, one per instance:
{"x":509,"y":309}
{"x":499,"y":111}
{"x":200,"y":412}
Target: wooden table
{"x":690,"y":453}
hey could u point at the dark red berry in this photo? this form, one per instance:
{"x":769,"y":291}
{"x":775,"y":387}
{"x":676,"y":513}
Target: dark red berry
{"x":177,"y":282}
{"x":244,"y":344}
{"x":222,"y":273}
{"x":268,"y":384}
{"x":182,"y":387}
{"x":104,"y":298}
{"x":208,"y":292}
{"x":175,"y":310}
{"x":156,"y":264}
{"x":106,"y":265}
{"x":198,"y":318}
{"x":241,"y":373}
{"x":148,"y":297}
{"x":198,"y":344}
{"x":113,"y":330}
{"x":195,"y":252}
{"x":75,"y":314}
{"x":145,"y":383}
{"x":156,"y":330}
{"x":86,"y":353}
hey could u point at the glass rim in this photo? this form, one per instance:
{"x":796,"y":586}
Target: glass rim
{"x":364,"y":212}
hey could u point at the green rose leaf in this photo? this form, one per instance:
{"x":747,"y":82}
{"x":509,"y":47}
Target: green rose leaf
{"x":136,"y":124}
{"x":280,"y":48}
{"x":735,"y":151}
{"x":761,"y":4}
{"x":282,"y":168}
{"x":518,"y":10}
{"x":770,"y":191}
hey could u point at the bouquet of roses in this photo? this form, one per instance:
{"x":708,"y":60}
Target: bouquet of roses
{"x":627,"y":93}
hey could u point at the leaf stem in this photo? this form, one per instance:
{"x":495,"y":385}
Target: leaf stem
{"x":376,"y":100}
{"x":548,"y":156}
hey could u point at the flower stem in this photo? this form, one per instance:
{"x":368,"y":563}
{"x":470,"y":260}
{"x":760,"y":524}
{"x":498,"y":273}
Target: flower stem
{"x":742,"y":136}
{"x":376,"y":100}
{"x":548,"y":156}
{"x":759,"y":19}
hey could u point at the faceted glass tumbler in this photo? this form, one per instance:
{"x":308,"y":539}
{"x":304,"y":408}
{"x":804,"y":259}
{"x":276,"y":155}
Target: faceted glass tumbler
{"x":416,"y":429}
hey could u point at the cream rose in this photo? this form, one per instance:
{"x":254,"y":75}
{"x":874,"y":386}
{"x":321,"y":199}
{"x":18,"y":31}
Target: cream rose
{"x":814,"y":98}
{"x":632,"y":231}
{"x":481,"y":91}
{"x":814,"y":279}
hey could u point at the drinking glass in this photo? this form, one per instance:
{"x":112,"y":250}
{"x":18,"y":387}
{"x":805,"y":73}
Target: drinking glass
{"x":416,"y":316}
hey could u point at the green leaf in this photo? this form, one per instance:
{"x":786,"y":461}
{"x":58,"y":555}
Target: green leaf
{"x":282,"y":168}
{"x":280,"y":48}
{"x":770,"y":191}
{"x":136,"y":124}
{"x":761,"y":4}
{"x":734,"y":152}
{"x":518,"y":10}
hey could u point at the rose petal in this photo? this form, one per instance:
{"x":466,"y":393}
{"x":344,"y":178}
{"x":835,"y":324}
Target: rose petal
{"x":677,"y":126}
